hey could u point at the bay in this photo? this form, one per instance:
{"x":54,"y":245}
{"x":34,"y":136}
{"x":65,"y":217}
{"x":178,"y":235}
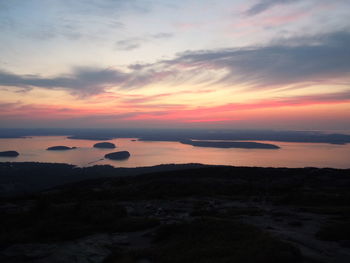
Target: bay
{"x":149,"y":153}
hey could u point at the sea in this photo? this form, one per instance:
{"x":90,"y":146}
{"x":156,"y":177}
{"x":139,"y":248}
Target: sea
{"x":149,"y":153}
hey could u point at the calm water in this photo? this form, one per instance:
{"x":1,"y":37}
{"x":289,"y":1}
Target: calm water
{"x":153,"y":153}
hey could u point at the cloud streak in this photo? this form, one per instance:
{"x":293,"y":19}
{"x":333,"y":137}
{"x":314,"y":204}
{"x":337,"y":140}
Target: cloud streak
{"x":314,"y":60}
{"x":163,"y":113}
{"x":235,"y":111}
{"x":263,"y":5}
{"x":327,"y":57}
{"x":317,"y":59}
{"x":82,"y":81}
{"x":136,"y":42}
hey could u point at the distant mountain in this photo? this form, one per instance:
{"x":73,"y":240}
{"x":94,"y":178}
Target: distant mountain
{"x":182,"y":134}
{"x":90,"y":137}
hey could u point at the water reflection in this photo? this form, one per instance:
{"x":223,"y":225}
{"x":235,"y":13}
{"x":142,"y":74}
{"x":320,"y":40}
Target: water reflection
{"x":152,"y":153}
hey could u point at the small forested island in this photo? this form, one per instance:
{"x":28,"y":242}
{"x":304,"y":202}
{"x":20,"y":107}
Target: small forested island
{"x":104,"y":145}
{"x":60,"y":148}
{"x":225,"y":144}
{"x":122,"y":155}
{"x":9,"y":154}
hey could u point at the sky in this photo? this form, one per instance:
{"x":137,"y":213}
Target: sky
{"x":253,"y":64}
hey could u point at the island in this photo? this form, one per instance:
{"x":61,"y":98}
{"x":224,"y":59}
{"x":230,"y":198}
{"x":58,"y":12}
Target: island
{"x":104,"y":145}
{"x":9,"y":154}
{"x":60,"y":148}
{"x":226,"y":144}
{"x":122,"y":155}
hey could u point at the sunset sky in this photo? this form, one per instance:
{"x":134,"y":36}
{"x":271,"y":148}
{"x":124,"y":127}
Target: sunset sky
{"x":257,"y":64}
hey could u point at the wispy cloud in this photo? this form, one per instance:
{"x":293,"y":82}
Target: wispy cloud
{"x":317,"y":59}
{"x":82,"y":81}
{"x":158,"y":113}
{"x":136,"y":42}
{"x":313,"y":59}
{"x":263,"y":5}
{"x":233,"y":110}
{"x":141,"y":99}
{"x":162,"y":35}
{"x":129,"y":44}
{"x":88,"y":19}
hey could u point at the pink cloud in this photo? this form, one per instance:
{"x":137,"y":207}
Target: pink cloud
{"x":170,"y":113}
